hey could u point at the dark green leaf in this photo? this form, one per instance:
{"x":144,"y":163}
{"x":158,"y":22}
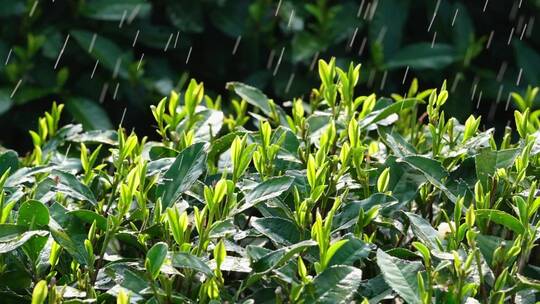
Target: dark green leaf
{"x":336,"y":284}
{"x":155,"y":257}
{"x":502,"y":218}
{"x":13,"y":236}
{"x":71,"y":186}
{"x":89,"y":217}
{"x":351,"y":252}
{"x":423,"y":231}
{"x":488,"y":161}
{"x":528,"y":59}
{"x":266,"y":190}
{"x":89,"y":113}
{"x":9,"y":160}
{"x":423,"y":56}
{"x":400,"y":275}
{"x":115,"y":10}
{"x":394,"y":108}
{"x":33,"y":213}
{"x":183,"y":173}
{"x":279,"y":230}
{"x":107,"y":52}
{"x":189,"y":261}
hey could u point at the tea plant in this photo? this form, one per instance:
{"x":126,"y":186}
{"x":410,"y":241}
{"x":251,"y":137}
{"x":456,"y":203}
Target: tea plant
{"x":341,"y":198}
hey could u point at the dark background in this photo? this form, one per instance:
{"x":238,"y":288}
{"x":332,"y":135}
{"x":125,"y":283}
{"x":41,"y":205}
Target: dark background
{"x":395,"y":33}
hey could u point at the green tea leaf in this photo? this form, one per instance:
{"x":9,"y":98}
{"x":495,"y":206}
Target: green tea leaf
{"x":183,"y":173}
{"x":279,"y":230}
{"x":488,"y":161}
{"x":336,"y":284}
{"x":351,"y":252}
{"x":155,"y":257}
{"x":186,"y":260}
{"x":400,"y":275}
{"x":9,"y":160}
{"x":33,"y":213}
{"x":114,"y":10}
{"x":89,"y":113}
{"x":71,"y":186}
{"x":423,"y":56}
{"x":89,"y":217}
{"x":13,"y":237}
{"x":266,"y":190}
{"x":502,"y":218}
{"x":423,"y":230}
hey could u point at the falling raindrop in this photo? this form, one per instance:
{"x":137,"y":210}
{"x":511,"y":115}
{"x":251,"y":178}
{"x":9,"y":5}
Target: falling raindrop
{"x":116,"y":90}
{"x":61,"y":51}
{"x":434,"y":14}
{"x":312,"y":65}
{"x":499,"y":93}
{"x":405,"y":76}
{"x":359,"y":12}
{"x":123,"y":116}
{"x":530,"y":27}
{"x":479,"y":100}
{"x":455,"y":15}
{"x":502,"y":70}
{"x":519,"y":76}
{"x":135,"y":39}
{"x":289,"y":83}
{"x":122,"y":19}
{"x":117,"y":66}
{"x":475,"y":84}
{"x":490,"y":39}
{"x":455,"y":82}
{"x":367,"y":10}
{"x":433,"y":40}
{"x":92,"y":43}
{"x":134,"y":13}
{"x":523,"y":32}
{"x":16,"y":88}
{"x":373,"y":9}
{"x":236,"y":44}
{"x":189,"y":54}
{"x":277,"y":9}
{"x":103,"y":92}
{"x":176,"y":39}
{"x":510,"y":37}
{"x":383,"y":81}
{"x":8,"y":56}
{"x":507,"y":101}
{"x":140,"y":61}
{"x":290,"y":19}
{"x":362,"y":46}
{"x":33,"y":9}
{"x":168,"y":42}
{"x":278,"y":62}
{"x":94,"y":70}
{"x":270,"y":59}
{"x":353,"y":37}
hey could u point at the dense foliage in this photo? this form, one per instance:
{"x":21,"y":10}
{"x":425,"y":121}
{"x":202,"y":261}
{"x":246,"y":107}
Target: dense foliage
{"x":128,"y":53}
{"x":345,"y":198}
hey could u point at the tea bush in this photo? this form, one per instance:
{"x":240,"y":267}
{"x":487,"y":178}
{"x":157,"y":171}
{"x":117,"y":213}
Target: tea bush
{"x":341,"y":198}
{"x":101,"y":56}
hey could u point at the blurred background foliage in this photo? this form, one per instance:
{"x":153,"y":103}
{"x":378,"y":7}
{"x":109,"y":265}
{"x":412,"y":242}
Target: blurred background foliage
{"x":118,"y":54}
